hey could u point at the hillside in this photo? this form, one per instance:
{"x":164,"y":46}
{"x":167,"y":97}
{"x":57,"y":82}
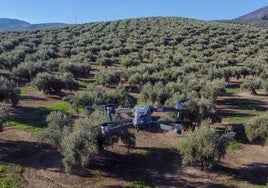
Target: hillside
{"x":12,"y":24}
{"x":258,"y":17}
{"x":7,"y":24}
{"x":156,"y":60}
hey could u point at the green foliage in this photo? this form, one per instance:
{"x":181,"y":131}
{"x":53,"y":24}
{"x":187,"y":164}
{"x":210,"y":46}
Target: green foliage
{"x":130,"y":62}
{"x":204,"y":145}
{"x":11,"y":176}
{"x":61,"y":106}
{"x":80,"y":145}
{"x":77,"y":69}
{"x":35,"y":120}
{"x":48,"y":83}
{"x":83,"y":83}
{"x":137,"y":184}
{"x":68,"y":82}
{"x":252,"y":84}
{"x":57,"y":128}
{"x":51,"y":84}
{"x":96,"y":95}
{"x":189,"y":84}
{"x":26,"y":89}
{"x":9,"y":91}
{"x":213,"y":89}
{"x":26,"y":72}
{"x":158,"y":92}
{"x":189,"y":62}
{"x":85,"y":141}
{"x":234,"y":145}
{"x":201,"y":109}
{"x":109,"y":77}
{"x":257,"y":128}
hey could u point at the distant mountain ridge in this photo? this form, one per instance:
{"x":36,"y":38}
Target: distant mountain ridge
{"x":258,"y":18}
{"x":7,"y":24}
{"x":257,"y":15}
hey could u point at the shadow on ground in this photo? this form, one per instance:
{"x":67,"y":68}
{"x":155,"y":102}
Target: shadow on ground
{"x":243,"y":104}
{"x":152,"y":166}
{"x":254,"y":173}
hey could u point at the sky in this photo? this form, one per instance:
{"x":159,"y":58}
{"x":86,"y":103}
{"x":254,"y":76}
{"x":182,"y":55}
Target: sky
{"x":85,"y":11}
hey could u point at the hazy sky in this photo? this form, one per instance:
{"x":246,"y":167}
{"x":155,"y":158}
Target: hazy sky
{"x":83,"y":11}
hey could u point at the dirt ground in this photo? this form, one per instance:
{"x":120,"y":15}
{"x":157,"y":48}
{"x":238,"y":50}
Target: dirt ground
{"x":150,"y":162}
{"x":153,"y":161}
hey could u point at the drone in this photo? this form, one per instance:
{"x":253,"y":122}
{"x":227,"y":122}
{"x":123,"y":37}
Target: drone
{"x":141,"y":117}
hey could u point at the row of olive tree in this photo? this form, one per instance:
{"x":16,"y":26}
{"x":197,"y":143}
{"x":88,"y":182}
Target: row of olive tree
{"x":257,"y":128}
{"x":96,"y":95}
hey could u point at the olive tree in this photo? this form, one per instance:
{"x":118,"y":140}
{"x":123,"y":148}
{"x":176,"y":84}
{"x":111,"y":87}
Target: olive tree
{"x":77,"y":69}
{"x":200,"y":109}
{"x":213,"y":89}
{"x":155,"y":93}
{"x":108,"y":77}
{"x":85,"y":141}
{"x":129,"y":62}
{"x":58,"y":125}
{"x":53,"y":84}
{"x":48,"y":83}
{"x":96,"y":95}
{"x":9,"y":91}
{"x":257,"y":128}
{"x":25,"y":72}
{"x":81,"y":145}
{"x":252,"y":84}
{"x":204,"y":145}
{"x":69,"y":82}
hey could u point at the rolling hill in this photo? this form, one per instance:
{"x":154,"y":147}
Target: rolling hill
{"x":258,"y":17}
{"x":155,"y":60}
{"x":7,"y":24}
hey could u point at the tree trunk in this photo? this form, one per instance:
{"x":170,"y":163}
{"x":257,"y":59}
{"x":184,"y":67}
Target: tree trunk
{"x":253,"y":92}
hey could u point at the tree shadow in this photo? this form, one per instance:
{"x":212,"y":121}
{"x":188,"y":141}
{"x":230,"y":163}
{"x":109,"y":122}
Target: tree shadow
{"x":148,"y":165}
{"x":234,"y":84}
{"x":154,"y":167}
{"x":132,"y":89}
{"x":30,"y":154}
{"x":244,"y":104}
{"x":31,"y":98}
{"x":230,"y":113}
{"x":254,"y":173}
{"x":30,"y":116}
{"x":240,"y":133}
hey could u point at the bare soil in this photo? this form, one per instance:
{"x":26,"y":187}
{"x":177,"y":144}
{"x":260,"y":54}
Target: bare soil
{"x":152,"y":161}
